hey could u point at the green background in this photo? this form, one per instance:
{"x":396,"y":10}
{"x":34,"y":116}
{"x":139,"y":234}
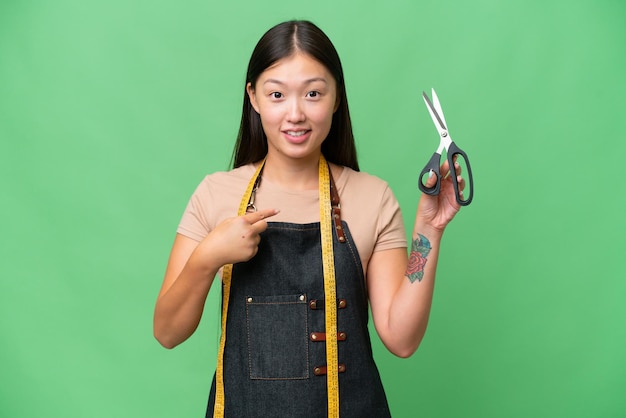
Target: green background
{"x":111,"y":112}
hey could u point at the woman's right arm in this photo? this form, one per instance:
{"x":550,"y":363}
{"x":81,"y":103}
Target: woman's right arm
{"x":192,"y":267}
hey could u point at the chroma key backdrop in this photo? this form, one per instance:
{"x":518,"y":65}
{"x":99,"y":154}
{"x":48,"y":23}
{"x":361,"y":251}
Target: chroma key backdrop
{"x":111,"y":112}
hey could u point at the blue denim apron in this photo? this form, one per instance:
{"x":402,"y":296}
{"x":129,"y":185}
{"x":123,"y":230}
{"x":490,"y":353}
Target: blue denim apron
{"x":275,"y":354}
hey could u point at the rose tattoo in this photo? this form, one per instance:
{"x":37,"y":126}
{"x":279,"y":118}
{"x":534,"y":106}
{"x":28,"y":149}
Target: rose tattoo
{"x":418,"y":257}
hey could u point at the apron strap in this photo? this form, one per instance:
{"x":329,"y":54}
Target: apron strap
{"x":336,"y":209}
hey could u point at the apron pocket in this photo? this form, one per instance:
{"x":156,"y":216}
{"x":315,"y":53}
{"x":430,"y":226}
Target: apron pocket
{"x":278,"y":347}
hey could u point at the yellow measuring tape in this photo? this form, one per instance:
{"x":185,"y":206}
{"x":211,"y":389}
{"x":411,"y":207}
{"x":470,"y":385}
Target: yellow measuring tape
{"x":227,"y":272}
{"x":330,"y":296}
{"x":330,"y":291}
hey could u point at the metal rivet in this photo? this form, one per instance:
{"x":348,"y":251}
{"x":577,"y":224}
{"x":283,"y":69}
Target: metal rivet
{"x":342,"y":303}
{"x":249,"y":300}
{"x":301,"y":297}
{"x":313,"y":337}
{"x":444,"y":134}
{"x":342,"y":335}
{"x":316,"y":370}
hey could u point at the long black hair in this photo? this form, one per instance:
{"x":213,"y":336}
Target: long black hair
{"x":282,"y":41}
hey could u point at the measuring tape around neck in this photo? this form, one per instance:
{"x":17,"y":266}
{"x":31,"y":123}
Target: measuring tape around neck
{"x":330,"y":296}
{"x":227,"y":272}
{"x":330,"y":290}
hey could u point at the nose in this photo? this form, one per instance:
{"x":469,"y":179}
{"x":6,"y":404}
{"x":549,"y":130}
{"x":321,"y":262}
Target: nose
{"x":295,"y":112}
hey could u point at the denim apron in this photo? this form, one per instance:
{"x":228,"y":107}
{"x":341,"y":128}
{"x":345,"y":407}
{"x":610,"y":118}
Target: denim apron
{"x":275,"y":354}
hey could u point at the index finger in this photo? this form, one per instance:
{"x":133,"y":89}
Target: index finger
{"x":254,"y":217}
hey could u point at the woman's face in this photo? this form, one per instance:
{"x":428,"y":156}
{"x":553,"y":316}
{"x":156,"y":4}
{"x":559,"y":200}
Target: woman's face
{"x":296,"y":99}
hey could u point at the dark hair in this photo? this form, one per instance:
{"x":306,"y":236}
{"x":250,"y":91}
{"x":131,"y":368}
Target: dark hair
{"x":282,"y":41}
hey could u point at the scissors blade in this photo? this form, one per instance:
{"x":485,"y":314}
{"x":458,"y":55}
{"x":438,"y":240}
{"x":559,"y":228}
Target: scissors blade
{"x":438,"y":108}
{"x":433,"y":111}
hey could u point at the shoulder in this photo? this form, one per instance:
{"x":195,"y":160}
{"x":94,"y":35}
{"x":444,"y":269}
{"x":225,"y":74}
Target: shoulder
{"x":218,"y":195}
{"x":351,"y":181}
{"x":216,"y":198}
{"x":232,"y":181}
{"x":365,"y":193}
{"x":234,"y":176}
{"x":348,"y":174}
{"x":371,"y":211}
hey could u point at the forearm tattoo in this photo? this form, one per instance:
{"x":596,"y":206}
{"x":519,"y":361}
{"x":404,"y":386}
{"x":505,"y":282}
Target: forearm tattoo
{"x":418,"y":257}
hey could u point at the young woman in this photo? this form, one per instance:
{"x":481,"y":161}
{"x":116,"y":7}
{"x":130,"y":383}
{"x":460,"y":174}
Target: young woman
{"x":294,"y":152}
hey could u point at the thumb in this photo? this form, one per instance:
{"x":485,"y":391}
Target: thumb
{"x":431,"y":181}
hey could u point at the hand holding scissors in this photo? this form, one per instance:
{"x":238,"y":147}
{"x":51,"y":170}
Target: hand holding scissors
{"x":453,"y":153}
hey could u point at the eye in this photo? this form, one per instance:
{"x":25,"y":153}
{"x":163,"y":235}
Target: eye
{"x":313,"y":94}
{"x":276,"y":95}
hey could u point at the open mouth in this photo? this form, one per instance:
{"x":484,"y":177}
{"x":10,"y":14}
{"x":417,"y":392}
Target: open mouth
{"x":297,"y":133}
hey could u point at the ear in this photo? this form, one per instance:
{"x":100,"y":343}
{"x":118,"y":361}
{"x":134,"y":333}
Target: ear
{"x":252,"y":97}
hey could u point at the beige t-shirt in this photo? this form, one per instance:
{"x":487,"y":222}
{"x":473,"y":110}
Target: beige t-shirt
{"x":368,"y":206}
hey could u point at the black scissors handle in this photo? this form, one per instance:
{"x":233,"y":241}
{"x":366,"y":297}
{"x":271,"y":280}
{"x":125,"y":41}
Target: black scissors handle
{"x":433,"y":166}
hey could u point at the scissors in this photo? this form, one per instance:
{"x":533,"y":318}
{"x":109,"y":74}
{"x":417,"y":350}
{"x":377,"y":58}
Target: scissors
{"x":453,"y":153}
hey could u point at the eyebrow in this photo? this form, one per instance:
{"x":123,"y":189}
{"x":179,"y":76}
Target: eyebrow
{"x":309,"y":81}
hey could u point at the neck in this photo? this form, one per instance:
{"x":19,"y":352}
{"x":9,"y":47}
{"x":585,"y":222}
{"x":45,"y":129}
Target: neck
{"x":292,"y":174}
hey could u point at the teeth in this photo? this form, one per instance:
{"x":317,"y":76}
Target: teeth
{"x":296,"y":133}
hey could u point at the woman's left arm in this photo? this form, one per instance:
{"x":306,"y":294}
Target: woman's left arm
{"x":400,"y":288}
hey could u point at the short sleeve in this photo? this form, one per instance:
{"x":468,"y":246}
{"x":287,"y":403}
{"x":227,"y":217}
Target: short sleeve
{"x":390,"y":223}
{"x":216,"y":198}
{"x":194,"y":223}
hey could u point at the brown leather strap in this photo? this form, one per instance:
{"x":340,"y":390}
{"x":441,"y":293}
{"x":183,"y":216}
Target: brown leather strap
{"x":336,"y":208}
{"x":321,"y":336}
{"x":321,"y":370}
